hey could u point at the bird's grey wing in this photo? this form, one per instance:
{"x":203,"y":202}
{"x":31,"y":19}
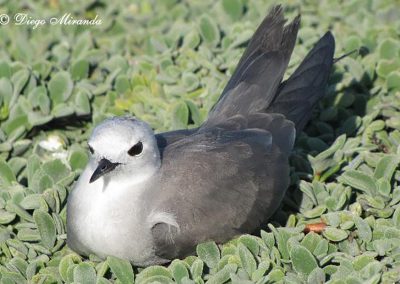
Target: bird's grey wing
{"x":298,"y":95}
{"x":217,"y":184}
{"x":167,"y":138}
{"x":262,"y":65}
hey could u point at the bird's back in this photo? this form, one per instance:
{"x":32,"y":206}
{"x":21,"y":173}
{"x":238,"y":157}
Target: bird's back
{"x":228,"y":176}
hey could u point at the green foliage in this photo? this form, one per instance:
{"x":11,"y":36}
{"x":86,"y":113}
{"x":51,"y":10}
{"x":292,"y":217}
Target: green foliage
{"x":209,"y":253}
{"x":167,"y":63}
{"x":302,"y":259}
{"x":46,"y":227}
{"x":121,"y":269}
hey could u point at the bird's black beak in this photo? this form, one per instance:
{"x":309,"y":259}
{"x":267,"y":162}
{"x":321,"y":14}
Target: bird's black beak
{"x":105,"y":166}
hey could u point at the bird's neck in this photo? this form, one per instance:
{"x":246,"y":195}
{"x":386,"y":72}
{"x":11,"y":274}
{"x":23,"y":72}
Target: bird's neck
{"x":132,"y":175}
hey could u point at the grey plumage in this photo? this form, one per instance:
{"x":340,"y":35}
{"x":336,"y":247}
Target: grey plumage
{"x":226,"y":177}
{"x":249,"y":116}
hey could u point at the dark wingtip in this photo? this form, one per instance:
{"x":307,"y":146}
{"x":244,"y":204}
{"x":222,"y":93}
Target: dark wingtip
{"x":328,"y":37}
{"x":327,"y":43}
{"x":294,"y":25}
{"x":290,"y":35}
{"x":305,"y":87}
{"x":274,"y":15}
{"x":329,"y":40}
{"x":276,"y":9}
{"x":296,"y":21}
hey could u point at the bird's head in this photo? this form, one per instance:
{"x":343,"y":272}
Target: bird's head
{"x":123,"y":147}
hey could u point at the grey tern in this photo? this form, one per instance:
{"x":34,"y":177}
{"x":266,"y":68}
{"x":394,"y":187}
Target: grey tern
{"x":149,"y":198}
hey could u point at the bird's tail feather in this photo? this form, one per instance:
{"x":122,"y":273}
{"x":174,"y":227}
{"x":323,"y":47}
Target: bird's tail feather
{"x":270,"y":36}
{"x":256,"y":85}
{"x":260,"y":69}
{"x":297,"y":96}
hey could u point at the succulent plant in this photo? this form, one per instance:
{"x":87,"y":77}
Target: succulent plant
{"x":167,"y":63}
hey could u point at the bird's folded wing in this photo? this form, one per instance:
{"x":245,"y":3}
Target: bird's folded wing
{"x":216,"y":185}
{"x":167,"y":138}
{"x":271,"y":39}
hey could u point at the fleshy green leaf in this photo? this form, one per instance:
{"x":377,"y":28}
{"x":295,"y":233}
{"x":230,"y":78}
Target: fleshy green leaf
{"x":179,"y":271}
{"x":359,"y":180}
{"x":6,"y":174}
{"x":233,"y":8}
{"x":66,"y":262}
{"x":247,"y":259}
{"x":180,"y":115}
{"x":386,"y":167}
{"x":6,"y":90}
{"x":6,"y":217}
{"x":80,"y":69}
{"x":60,"y":87}
{"x":209,"y":253}
{"x":122,"y":269}
{"x":393,"y":80}
{"x":302,"y":259}
{"x":85,"y":273}
{"x":364,"y":230}
{"x":82,"y":103}
{"x":223,"y":275}
{"x":153,"y":271}
{"x":209,"y":30}
{"x":389,"y":49}
{"x":56,"y":169}
{"x":46,"y":228}
{"x":334,"y":234}
{"x":197,"y":268}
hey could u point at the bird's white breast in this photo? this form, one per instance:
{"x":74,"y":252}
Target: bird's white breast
{"x":109,"y":218}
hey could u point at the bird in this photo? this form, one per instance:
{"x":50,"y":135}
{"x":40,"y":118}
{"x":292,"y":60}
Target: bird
{"x":149,"y":198}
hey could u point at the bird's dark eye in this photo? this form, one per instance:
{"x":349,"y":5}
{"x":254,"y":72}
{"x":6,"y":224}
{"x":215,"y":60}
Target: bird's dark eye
{"x":91,"y":149}
{"x":136,"y":149}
